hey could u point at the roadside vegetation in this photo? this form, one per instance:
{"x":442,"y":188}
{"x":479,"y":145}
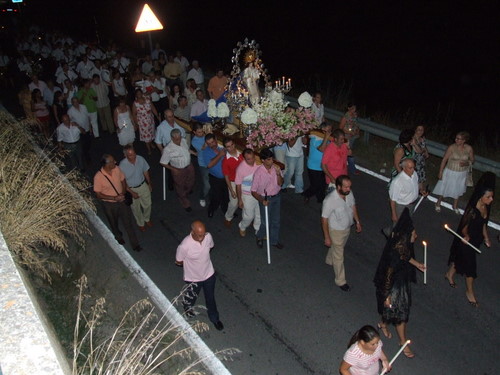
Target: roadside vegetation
{"x":45,"y":227}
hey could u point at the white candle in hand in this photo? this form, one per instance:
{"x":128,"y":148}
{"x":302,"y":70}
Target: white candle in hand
{"x":425,"y":262}
{"x":397,"y":355}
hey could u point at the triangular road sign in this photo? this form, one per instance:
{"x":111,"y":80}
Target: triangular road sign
{"x":148,"y":21}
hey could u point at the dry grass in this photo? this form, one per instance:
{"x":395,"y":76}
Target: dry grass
{"x":39,"y":211}
{"x":140,"y":344}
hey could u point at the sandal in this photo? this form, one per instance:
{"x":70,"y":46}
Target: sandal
{"x":385,"y":331}
{"x":407,"y":352}
{"x":474,"y":304}
{"x":437,"y":208}
{"x":452,"y":283}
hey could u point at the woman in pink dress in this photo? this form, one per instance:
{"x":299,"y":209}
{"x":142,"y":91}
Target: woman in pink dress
{"x":143,"y":111}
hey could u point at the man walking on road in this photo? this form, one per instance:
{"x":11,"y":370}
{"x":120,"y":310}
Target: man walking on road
{"x":193,"y":254}
{"x":248,"y":204}
{"x":136,"y":171}
{"x":339,"y":213}
{"x":266,"y":187}
{"x":229,"y":164}
{"x":403,"y":192}
{"x":110,"y":187}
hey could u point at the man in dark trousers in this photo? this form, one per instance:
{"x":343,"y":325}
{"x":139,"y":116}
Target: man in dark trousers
{"x":193,"y":254}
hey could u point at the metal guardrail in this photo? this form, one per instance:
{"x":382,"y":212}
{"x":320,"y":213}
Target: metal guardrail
{"x":371,"y":127}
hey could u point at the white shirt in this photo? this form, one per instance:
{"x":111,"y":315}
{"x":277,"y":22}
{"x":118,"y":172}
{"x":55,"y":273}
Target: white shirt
{"x":176,"y":156}
{"x":339,"y":212}
{"x":163,"y":132}
{"x":296,"y":151}
{"x":68,"y":135}
{"x":319,"y":111}
{"x":62,"y":76}
{"x":197,"y":75}
{"x":404,"y":189}
{"x":183,"y":62}
{"x":85,"y":69}
{"x":42,"y":86}
{"x":199,"y":107}
{"x":80,"y":116}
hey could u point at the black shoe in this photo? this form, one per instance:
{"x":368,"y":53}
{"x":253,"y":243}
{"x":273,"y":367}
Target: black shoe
{"x":218,"y":325}
{"x":138,"y":248}
{"x":279,"y":245}
{"x":345,"y":288}
{"x":260,"y":242}
{"x":189,"y":313}
{"x":121,"y":241}
{"x":210,"y":214}
{"x":188,"y":209}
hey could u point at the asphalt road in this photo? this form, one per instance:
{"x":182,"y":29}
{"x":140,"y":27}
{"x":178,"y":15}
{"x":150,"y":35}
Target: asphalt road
{"x":290,"y":318}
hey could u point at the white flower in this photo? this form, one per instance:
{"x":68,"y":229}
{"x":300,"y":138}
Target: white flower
{"x":249,"y":116}
{"x":305,"y":100}
{"x":275,"y":97}
{"x":212,"y":109}
{"x":222,"y":110}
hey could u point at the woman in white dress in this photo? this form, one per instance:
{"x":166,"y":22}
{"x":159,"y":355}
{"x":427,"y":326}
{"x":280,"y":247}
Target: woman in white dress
{"x":125,"y":128}
{"x":453,"y":171}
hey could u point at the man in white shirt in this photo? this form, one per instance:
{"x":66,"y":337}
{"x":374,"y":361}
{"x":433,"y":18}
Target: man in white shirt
{"x":85,"y":68}
{"x":147,"y":65}
{"x":165,"y":128}
{"x":184,"y":63}
{"x":37,"y":84}
{"x":68,"y":137}
{"x":177,"y":158}
{"x":78,"y":114}
{"x":121,"y":63}
{"x":338,"y":214}
{"x":65,"y":73}
{"x":200,"y":106}
{"x":403,"y":192}
{"x":197,"y":74}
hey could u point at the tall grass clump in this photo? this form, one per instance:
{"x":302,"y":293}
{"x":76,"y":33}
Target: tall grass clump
{"x":40,"y":212}
{"x":140,"y":344}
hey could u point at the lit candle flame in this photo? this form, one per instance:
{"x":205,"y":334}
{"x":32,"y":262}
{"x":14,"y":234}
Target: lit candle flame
{"x":446,"y":227}
{"x":424,"y":243}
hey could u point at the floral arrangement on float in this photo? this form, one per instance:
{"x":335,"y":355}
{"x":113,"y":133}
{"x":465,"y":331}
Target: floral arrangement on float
{"x":272,"y":123}
{"x":265,"y":119}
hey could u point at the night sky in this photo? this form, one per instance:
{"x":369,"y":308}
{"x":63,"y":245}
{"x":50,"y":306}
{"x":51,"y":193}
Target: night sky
{"x":396,"y":55}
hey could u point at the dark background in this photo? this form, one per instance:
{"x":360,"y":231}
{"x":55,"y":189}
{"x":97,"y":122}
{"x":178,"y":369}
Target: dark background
{"x":433,"y":57}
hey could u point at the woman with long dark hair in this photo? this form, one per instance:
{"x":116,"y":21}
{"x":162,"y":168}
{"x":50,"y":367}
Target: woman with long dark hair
{"x":395,"y":272}
{"x":473,"y":228}
{"x":364,"y":353}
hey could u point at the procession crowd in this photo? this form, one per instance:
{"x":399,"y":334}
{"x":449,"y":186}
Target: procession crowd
{"x":75,"y":91}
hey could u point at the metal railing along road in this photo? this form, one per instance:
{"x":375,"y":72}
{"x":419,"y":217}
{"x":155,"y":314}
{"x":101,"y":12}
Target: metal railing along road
{"x":371,"y":127}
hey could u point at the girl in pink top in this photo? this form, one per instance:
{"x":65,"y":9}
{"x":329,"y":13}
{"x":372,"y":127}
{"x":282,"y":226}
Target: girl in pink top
{"x":364,"y":353}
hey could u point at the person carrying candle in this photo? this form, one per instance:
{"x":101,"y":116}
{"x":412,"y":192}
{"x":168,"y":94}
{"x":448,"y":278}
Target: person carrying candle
{"x":364,"y":353}
{"x":473,"y":227}
{"x":395,"y":271}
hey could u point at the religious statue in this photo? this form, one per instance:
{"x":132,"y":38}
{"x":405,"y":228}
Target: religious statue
{"x":251,"y":76}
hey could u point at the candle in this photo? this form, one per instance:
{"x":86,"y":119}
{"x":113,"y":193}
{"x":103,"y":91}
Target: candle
{"x":397,"y":355}
{"x":425,"y":262}
{"x":283,"y":80}
{"x":459,"y":236}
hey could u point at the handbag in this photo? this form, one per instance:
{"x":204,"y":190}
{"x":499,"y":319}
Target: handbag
{"x":128,"y":196}
{"x":469,"y":182}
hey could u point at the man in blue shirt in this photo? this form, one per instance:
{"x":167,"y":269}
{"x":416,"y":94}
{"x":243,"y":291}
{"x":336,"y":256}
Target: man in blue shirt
{"x":213,"y":155}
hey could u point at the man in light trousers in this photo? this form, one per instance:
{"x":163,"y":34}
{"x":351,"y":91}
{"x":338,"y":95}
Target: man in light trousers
{"x":136,"y":171}
{"x":338,"y":214}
